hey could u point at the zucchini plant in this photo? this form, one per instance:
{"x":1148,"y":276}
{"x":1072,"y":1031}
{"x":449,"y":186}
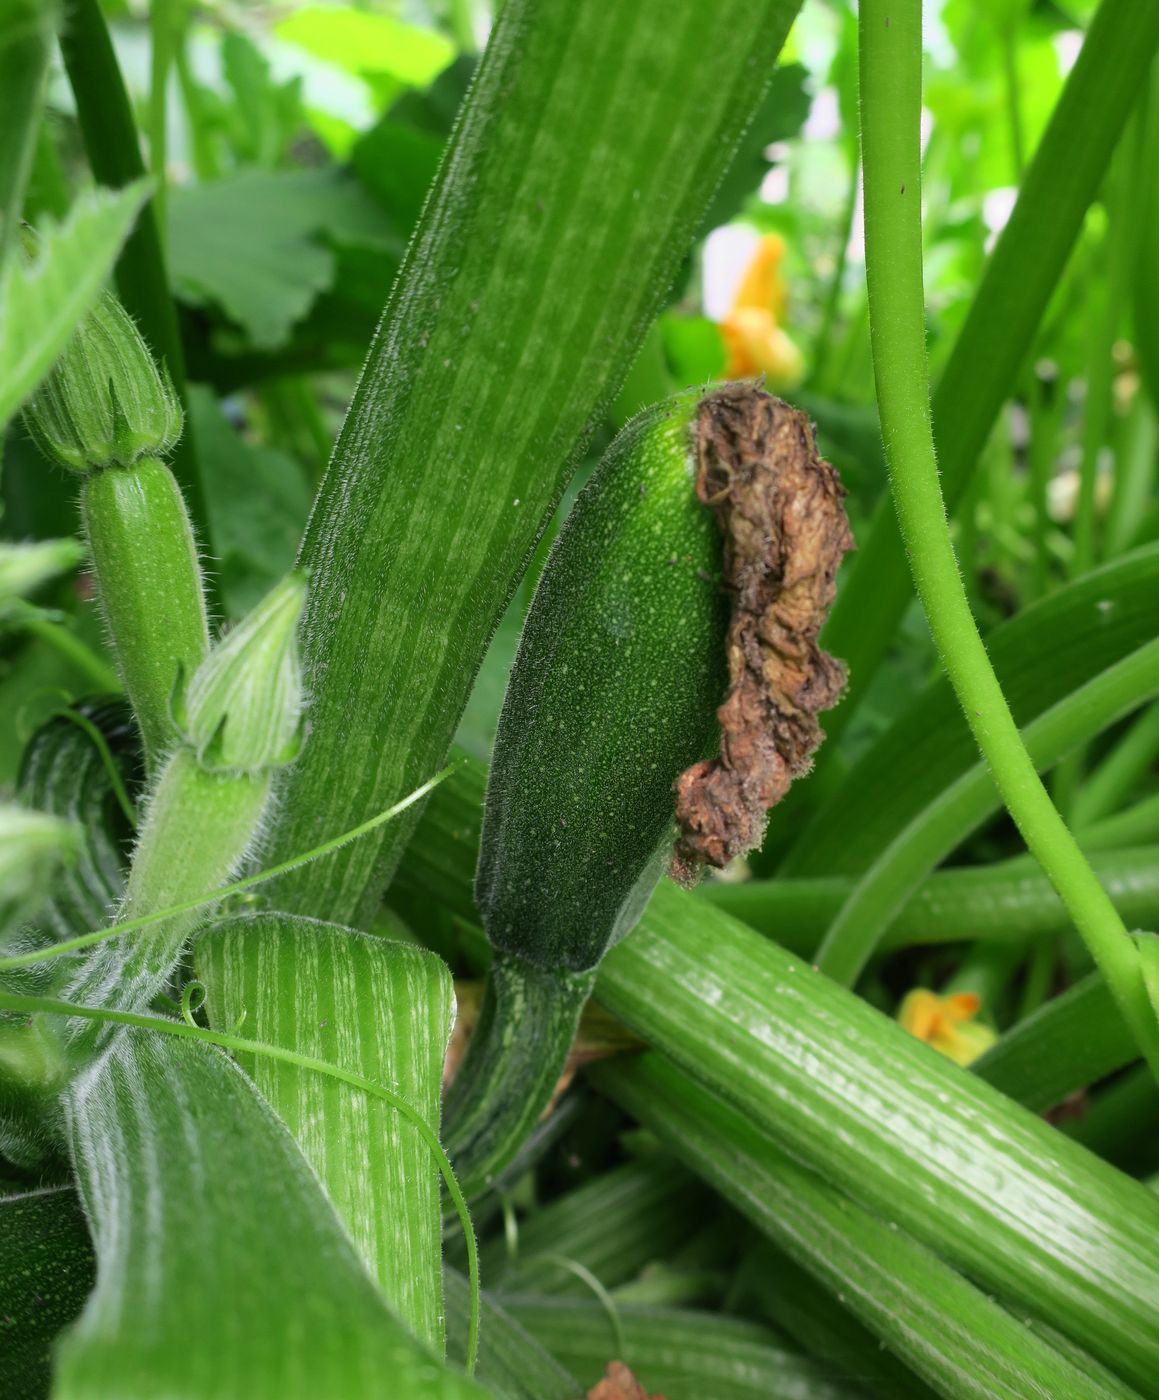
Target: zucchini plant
{"x":594,"y":832}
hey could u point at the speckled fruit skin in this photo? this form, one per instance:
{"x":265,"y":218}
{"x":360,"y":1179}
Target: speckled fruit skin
{"x":612,"y":695}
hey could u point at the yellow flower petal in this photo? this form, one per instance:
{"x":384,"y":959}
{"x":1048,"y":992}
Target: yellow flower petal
{"x":755,"y":344}
{"x":762,"y":285}
{"x":947,"y":1023}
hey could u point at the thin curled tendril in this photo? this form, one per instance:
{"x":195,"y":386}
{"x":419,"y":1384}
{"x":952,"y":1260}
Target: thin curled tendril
{"x":237,"y":1045}
{"x":189,"y":1006}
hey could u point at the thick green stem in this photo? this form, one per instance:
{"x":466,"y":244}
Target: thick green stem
{"x":891,"y":60}
{"x":149,"y":583}
{"x":110,"y":137}
{"x":516,"y":1056}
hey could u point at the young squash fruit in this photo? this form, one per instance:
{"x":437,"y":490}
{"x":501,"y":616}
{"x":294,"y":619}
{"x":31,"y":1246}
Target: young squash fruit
{"x":656,"y":599}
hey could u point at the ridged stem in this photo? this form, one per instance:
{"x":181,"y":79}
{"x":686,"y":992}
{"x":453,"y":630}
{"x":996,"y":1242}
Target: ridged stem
{"x":526,"y":1026}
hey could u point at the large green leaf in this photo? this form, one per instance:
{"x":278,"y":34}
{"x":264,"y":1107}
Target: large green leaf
{"x":222,"y":1268}
{"x":680,"y":1354}
{"x":253,"y":243}
{"x":1041,"y":655}
{"x":903,"y":1130}
{"x":382,"y":1010}
{"x":949,"y":1332}
{"x":587,"y":150}
{"x":41,"y":303}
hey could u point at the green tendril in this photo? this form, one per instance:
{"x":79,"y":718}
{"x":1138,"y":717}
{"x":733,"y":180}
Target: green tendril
{"x":239,"y":1046}
{"x":607,"y":1302}
{"x":101,"y":744}
{"x":86,"y":940}
{"x":189,"y":1007}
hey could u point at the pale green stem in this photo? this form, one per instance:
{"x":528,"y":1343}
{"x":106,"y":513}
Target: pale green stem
{"x":164,"y":28}
{"x":64,"y":641}
{"x":891,"y":91}
{"x":1120,"y":771}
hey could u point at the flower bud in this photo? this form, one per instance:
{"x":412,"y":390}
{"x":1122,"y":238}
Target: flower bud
{"x":241,"y":710}
{"x":105,"y":402}
{"x":24,"y":567}
{"x":32,"y":847}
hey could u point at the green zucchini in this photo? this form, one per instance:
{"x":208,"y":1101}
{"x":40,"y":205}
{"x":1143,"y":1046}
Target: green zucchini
{"x":611,"y":706}
{"x":109,"y":411}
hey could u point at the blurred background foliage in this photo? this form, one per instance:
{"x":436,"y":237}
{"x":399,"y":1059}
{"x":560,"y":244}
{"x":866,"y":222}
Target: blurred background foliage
{"x":300,"y":141}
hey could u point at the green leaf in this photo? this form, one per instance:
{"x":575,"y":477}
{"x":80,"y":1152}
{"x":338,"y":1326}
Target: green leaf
{"x":613,"y":1226}
{"x":963,"y":1343}
{"x":258,"y":501}
{"x":511,"y":1362}
{"x":384,"y":1011}
{"x":1073,"y":1040}
{"x":1023,"y":271}
{"x":680,"y":1354}
{"x":965,"y":804}
{"x":26,"y":35}
{"x":222,"y":1268}
{"x":993,"y":1189}
{"x":1007,"y":902}
{"x":363,"y":42}
{"x":1048,"y":650}
{"x":46,"y":1272}
{"x":42,"y":303}
{"x":253,"y":244}
{"x":585,"y":155}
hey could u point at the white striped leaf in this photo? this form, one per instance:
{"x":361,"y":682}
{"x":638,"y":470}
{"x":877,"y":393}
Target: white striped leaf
{"x":384,"y":1011}
{"x":222,"y":1270}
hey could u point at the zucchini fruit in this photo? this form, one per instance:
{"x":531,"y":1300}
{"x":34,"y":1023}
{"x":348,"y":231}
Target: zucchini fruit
{"x":629,"y":647}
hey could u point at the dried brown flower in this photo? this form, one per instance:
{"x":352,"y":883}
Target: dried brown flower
{"x":619,"y":1384}
{"x":779,"y":507}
